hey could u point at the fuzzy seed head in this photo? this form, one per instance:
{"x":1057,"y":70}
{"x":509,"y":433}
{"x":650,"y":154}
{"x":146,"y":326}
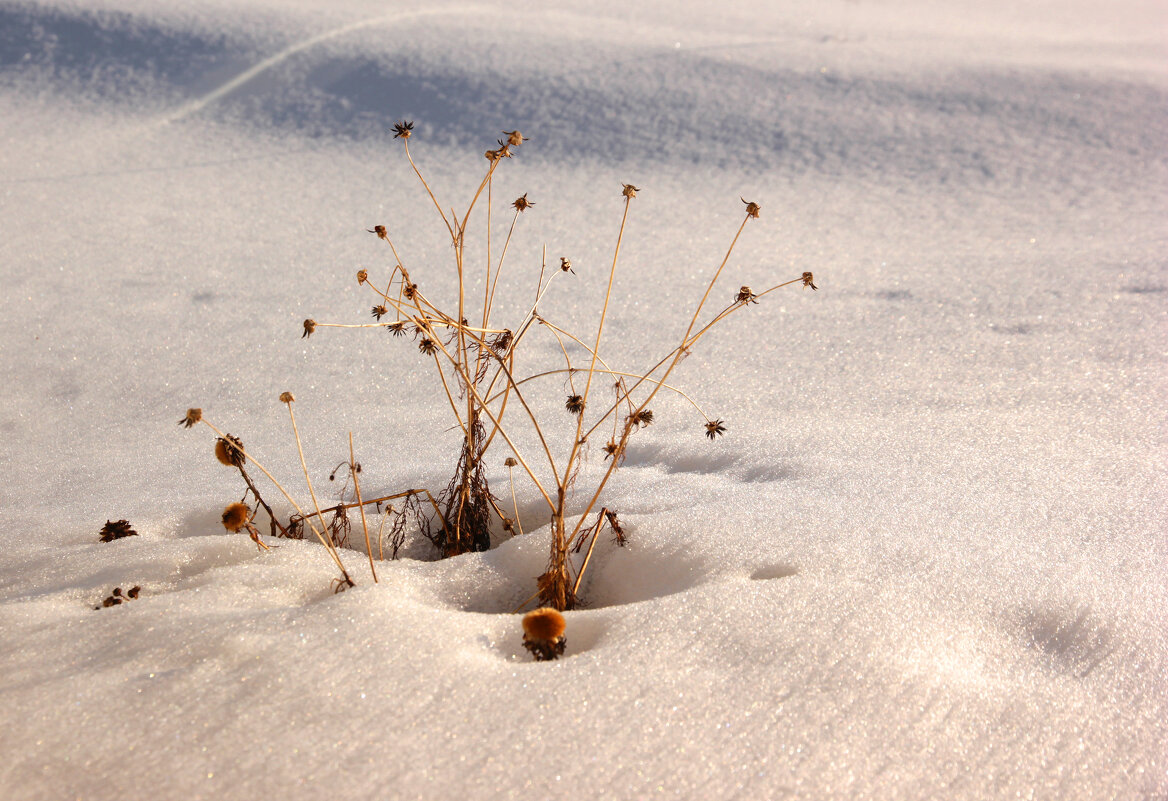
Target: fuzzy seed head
{"x":229,"y":451}
{"x":514,"y":138}
{"x":193,"y":416}
{"x":629,"y":190}
{"x":309,"y":328}
{"x":235,"y":516}
{"x":287,"y":397}
{"x":543,"y":625}
{"x":752,"y":209}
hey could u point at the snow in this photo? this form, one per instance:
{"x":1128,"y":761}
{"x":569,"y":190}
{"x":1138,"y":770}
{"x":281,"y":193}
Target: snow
{"x":927,"y":559}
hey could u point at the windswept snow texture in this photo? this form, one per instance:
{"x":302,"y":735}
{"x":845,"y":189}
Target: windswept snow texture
{"x":927,"y":560}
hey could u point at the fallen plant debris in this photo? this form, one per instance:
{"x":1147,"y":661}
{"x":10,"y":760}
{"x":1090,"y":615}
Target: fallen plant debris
{"x":543,"y":634}
{"x":117,"y":597}
{"x":115,"y":530}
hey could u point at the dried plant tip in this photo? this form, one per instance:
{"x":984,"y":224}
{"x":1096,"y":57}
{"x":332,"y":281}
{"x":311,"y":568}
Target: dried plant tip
{"x":510,"y":461}
{"x":287,"y":397}
{"x":745,"y":295}
{"x":380,"y":231}
{"x":193,"y":416}
{"x":235,"y":516}
{"x":575,"y":404}
{"x":115,"y":530}
{"x":378,"y":312}
{"x":362,"y":276}
{"x":642,"y":418}
{"x":229,"y":451}
{"x":410,"y":290}
{"x":514,"y":138}
{"x":809,"y":281}
{"x":402,"y":130}
{"x":752,"y":209}
{"x":617,"y":529}
{"x":502,"y":341}
{"x":427,"y":346}
{"x":522,"y":204}
{"x":492,"y":155}
{"x":504,"y":151}
{"x":714,"y":428}
{"x":630,"y":190}
{"x":543,"y":634}
{"x":566,"y":265}
{"x":397,"y":329}
{"x":309,"y":327}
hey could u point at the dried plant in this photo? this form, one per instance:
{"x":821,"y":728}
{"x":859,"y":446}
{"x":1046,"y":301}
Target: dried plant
{"x":115,"y":530}
{"x":477,"y":368}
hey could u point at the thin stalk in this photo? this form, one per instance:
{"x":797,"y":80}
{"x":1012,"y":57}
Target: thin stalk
{"x":361,"y":506}
{"x":437,"y":205}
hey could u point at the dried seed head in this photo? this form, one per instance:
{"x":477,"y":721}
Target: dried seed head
{"x":809,"y":281}
{"x":641,"y":418}
{"x":610,"y":449}
{"x":629,"y":190}
{"x":504,"y":151}
{"x":427,"y":346}
{"x":566,"y":265}
{"x":193,"y":416}
{"x":362,"y":276}
{"x":309,"y":327}
{"x":402,"y":130}
{"x":397,"y":328}
{"x":510,"y":461}
{"x":575,"y":404}
{"x":410,"y":290}
{"x":752,"y":209}
{"x":508,"y":526}
{"x":235,"y":516}
{"x":514,"y":138}
{"x":229,"y":451}
{"x":492,"y":155}
{"x":378,"y":312}
{"x":746,"y":296}
{"x":133,"y":592}
{"x":522,"y":204}
{"x":380,"y":231}
{"x":115,"y":530}
{"x":714,"y":428}
{"x":287,"y":397}
{"x":543,"y":625}
{"x":501,"y":341}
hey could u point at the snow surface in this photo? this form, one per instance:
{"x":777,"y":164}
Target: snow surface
{"x":927,"y":560}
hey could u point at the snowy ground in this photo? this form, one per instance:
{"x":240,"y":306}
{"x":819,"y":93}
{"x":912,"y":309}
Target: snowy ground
{"x":927,"y":560}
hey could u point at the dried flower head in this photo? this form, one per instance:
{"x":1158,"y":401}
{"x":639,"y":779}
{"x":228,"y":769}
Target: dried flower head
{"x":746,"y":296}
{"x":397,"y":328}
{"x":427,"y":346}
{"x":287,"y":397}
{"x":514,"y":138}
{"x":575,"y":404}
{"x":544,"y":624}
{"x":115,"y":530}
{"x":610,"y":449}
{"x":508,"y":526}
{"x":809,"y":281}
{"x":362,"y":276}
{"x":193,"y":416}
{"x":642,"y":418}
{"x":566,"y":266}
{"x":379,"y":311}
{"x":117,"y":597}
{"x":235,"y":516}
{"x":510,"y":461}
{"x":410,"y":290}
{"x":492,"y":156}
{"x":309,"y":327}
{"x":380,"y":231}
{"x":752,"y":209}
{"x":402,"y":130}
{"x":629,"y":190}
{"x":714,"y":428}
{"x":504,"y":151}
{"x":522,"y":204}
{"x":229,"y":451}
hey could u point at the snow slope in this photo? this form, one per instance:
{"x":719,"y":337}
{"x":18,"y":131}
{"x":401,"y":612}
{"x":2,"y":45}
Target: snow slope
{"x":927,"y":560}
